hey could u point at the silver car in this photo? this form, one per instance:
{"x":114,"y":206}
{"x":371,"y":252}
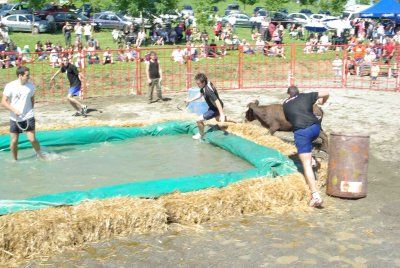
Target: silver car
{"x":110,"y":20}
{"x":25,"y":23}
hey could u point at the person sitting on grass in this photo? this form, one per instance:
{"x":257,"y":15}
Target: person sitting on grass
{"x":108,"y":57}
{"x":92,"y":54}
{"x":247,"y":47}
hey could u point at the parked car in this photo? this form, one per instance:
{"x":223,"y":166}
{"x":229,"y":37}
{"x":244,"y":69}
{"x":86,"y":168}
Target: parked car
{"x":25,"y":23}
{"x":21,"y":8}
{"x":140,"y":21}
{"x":232,"y":8}
{"x":283,"y":10}
{"x":256,"y":9}
{"x":325,"y":12}
{"x":306,"y":11}
{"x":60,"y":18}
{"x":50,"y":9}
{"x":322,"y":17}
{"x":279,"y":17}
{"x":300,"y":18}
{"x":187,"y":10}
{"x":262,"y":13}
{"x":110,"y":20}
{"x":242,"y":20}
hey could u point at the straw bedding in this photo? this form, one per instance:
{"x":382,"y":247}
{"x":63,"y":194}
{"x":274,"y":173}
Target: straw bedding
{"x":34,"y":234}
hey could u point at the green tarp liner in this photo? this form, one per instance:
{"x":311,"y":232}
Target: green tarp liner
{"x":266,"y":162}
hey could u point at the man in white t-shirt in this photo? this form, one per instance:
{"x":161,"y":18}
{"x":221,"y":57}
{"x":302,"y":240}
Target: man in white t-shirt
{"x":18,"y":98}
{"x":178,"y":55}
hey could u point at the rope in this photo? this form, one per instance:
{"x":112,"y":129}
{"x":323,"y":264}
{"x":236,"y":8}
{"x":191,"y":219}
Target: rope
{"x":21,"y":128}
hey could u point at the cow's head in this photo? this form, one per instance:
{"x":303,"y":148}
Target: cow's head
{"x":249,"y":113}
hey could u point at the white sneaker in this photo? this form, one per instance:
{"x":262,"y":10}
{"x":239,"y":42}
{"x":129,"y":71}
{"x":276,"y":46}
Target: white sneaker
{"x":316,"y":201}
{"x":197,"y":136}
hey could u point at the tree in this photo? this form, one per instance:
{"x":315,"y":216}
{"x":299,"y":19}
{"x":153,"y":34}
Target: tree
{"x":336,"y":6}
{"x":274,"y":4}
{"x":308,"y":2}
{"x":247,"y":2}
{"x":148,"y":6}
{"x":204,"y":13}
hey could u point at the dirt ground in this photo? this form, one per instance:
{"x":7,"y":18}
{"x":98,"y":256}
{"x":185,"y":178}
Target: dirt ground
{"x":348,"y":233}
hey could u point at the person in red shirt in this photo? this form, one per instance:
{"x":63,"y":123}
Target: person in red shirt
{"x":218,"y":30}
{"x":388,"y":50}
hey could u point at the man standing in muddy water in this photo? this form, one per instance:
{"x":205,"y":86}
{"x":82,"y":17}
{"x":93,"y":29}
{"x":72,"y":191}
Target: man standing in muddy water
{"x":75,"y":80}
{"x":298,"y":109}
{"x":19,"y":99}
{"x":215,"y":105}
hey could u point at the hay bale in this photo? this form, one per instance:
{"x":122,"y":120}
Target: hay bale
{"x":245,"y":197}
{"x":28,"y":234}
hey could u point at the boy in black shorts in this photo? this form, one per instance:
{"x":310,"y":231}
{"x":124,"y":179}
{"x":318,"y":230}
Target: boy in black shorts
{"x":215,"y":105}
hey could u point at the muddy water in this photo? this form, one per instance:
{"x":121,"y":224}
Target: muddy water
{"x":89,"y":166}
{"x":347,"y":233}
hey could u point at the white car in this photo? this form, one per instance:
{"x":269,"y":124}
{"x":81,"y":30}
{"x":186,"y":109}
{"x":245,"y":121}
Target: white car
{"x":322,"y":17}
{"x":300,"y":18}
{"x":187,"y":10}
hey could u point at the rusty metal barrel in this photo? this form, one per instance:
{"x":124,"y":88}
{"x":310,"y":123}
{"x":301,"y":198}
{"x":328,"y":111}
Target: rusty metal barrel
{"x":348,"y":165}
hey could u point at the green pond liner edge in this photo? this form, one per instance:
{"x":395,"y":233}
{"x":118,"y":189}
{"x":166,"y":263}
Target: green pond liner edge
{"x":267,"y":162}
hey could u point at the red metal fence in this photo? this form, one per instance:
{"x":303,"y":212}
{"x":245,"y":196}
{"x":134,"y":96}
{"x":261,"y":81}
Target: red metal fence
{"x":228,"y":69}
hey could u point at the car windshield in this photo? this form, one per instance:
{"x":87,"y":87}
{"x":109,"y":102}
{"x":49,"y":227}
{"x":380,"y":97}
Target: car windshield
{"x":262,"y":13}
{"x":6,"y":7}
{"x":233,"y":7}
{"x":47,"y":7}
{"x":30,"y":17}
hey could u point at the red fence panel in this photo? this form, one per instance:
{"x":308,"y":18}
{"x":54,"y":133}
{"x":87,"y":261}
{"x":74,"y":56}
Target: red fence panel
{"x":271,"y":66}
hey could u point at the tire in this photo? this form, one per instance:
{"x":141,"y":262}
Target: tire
{"x":35,"y":30}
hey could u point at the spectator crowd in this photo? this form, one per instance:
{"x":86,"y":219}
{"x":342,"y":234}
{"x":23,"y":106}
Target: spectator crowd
{"x":368,"y":43}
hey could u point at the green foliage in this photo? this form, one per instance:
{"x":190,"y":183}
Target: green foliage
{"x":147,"y":6}
{"x":204,"y":13}
{"x":101,"y":4}
{"x":247,"y":2}
{"x":37,"y":4}
{"x":274,"y":4}
{"x":335,"y":6}
{"x":308,"y":2}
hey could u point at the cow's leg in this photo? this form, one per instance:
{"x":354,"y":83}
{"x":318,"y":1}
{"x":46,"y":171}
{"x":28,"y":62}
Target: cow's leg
{"x":324,"y":141}
{"x":273,"y":128}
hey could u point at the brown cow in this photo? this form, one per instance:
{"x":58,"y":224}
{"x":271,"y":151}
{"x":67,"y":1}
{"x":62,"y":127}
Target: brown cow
{"x":272,"y":117}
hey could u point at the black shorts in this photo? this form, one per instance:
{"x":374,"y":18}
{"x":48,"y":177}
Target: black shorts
{"x":23,"y":124}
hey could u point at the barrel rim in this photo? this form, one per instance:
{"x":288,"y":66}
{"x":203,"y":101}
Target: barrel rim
{"x":350,"y":134}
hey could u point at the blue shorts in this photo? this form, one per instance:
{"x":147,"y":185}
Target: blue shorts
{"x":210,"y":114}
{"x":74,"y":91}
{"x":304,"y":137}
